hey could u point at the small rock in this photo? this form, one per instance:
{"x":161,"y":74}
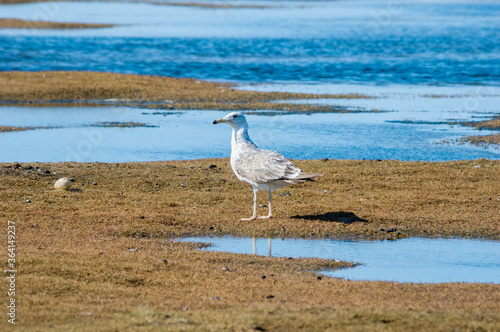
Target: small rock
{"x":132,"y":249}
{"x":183,"y":185}
{"x":263,"y":276}
{"x":165,"y":261}
{"x":212,"y":166}
{"x":391,"y":230}
{"x":325,"y":159}
{"x":211,"y":228}
{"x":34,"y":226}
{"x":63,"y":183}
{"x":101,"y":252}
{"x":270,"y":297}
{"x":191,"y":167}
{"x":28,"y":201}
{"x":285,"y":194}
{"x":208,"y":189}
{"x":225,"y":269}
{"x":382,"y":229}
{"x":185,"y":309}
{"x":258,"y":328}
{"x":142,"y":217}
{"x":319,"y":278}
{"x":94,"y":183}
{"x":262,"y":205}
{"x":216,"y":298}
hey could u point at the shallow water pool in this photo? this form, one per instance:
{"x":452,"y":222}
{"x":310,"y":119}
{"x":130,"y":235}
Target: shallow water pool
{"x":421,"y":260}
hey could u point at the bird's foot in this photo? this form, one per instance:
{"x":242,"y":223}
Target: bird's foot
{"x":245,"y":219}
{"x":266,"y":217}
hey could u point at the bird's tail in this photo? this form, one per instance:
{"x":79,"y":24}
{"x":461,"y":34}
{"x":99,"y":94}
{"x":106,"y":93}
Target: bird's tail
{"x":302,"y":177}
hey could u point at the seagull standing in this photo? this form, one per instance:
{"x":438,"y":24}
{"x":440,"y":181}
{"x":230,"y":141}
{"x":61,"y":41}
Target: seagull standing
{"x":262,"y":169}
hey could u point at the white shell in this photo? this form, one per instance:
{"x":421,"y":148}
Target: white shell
{"x":62,"y":184}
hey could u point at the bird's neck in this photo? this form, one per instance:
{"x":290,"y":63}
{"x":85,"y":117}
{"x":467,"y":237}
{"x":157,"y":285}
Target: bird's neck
{"x":240,"y":136}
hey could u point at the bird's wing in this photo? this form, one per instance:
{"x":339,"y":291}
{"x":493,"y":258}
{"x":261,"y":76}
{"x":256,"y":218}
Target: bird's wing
{"x":261,"y":166}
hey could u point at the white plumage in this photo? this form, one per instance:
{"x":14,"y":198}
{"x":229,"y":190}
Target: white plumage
{"x":262,"y":169}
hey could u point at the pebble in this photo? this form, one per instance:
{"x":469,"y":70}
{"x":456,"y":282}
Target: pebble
{"x":165,"y":261}
{"x":285,"y":194}
{"x":263,"y":276}
{"x":212,"y":166}
{"x":225,"y":269}
{"x":183,"y":185}
{"x":185,"y":309}
{"x":28,"y":201}
{"x":216,"y":298}
{"x":319,"y":278}
{"x":94,"y":183}
{"x":262,"y":205}
{"x":270,"y":297}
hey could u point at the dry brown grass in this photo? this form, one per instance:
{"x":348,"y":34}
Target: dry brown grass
{"x":150,"y":91}
{"x":76,"y":271}
{"x":485,"y":140}
{"x":23,"y":24}
{"x":215,"y":5}
{"x":4,"y":129}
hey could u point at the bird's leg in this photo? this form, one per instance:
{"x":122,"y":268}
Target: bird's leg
{"x":270,"y":210}
{"x":254,"y":206}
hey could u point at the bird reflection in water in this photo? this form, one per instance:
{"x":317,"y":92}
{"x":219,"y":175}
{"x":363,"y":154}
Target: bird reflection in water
{"x":254,"y":241}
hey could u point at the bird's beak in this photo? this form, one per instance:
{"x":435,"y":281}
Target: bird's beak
{"x":221,"y":120}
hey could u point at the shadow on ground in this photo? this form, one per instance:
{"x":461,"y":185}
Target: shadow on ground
{"x":340,"y":216}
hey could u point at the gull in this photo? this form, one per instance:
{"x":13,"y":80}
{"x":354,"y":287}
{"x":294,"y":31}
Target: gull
{"x":262,"y":169}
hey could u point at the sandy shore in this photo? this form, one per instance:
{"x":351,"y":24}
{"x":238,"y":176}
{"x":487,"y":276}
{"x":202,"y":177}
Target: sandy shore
{"x":96,"y":257}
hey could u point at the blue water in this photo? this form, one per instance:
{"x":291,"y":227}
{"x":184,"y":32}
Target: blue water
{"x":191,"y":135}
{"x":404,"y":260}
{"x":369,"y":42}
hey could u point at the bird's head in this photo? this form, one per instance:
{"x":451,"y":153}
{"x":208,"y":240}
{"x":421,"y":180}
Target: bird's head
{"x":234,"y":119}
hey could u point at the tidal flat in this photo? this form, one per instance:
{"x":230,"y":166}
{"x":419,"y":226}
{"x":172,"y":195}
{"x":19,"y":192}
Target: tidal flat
{"x":122,"y":271}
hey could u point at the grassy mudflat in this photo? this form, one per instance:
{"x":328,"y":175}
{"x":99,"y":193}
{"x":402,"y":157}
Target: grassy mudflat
{"x":23,"y":24}
{"x":91,"y":88}
{"x":493,"y":124}
{"x":96,"y":257}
